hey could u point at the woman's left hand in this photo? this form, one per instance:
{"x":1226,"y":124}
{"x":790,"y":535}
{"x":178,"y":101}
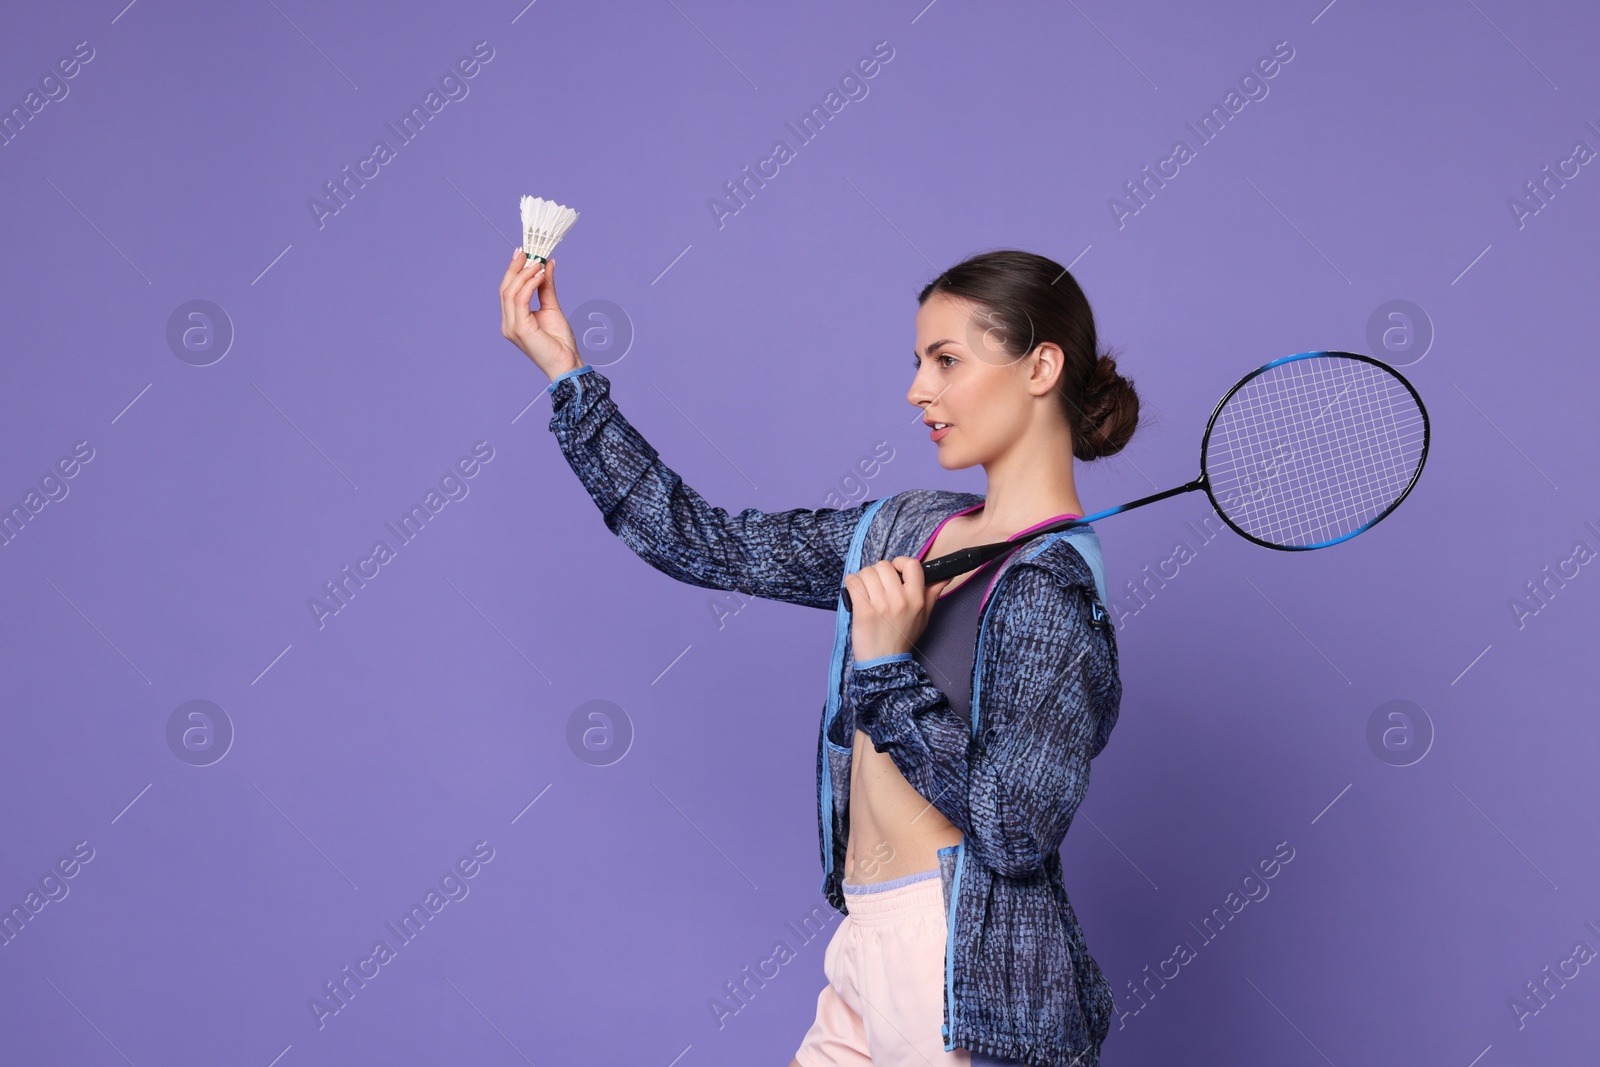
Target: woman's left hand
{"x":890,"y":605}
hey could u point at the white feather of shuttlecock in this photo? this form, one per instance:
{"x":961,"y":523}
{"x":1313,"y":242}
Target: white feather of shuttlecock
{"x":544,"y":223}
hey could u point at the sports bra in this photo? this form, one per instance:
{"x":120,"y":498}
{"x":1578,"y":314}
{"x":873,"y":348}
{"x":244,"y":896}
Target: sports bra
{"x":950,"y":641}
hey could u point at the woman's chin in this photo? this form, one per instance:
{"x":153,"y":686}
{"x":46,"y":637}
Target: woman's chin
{"x":952,"y":460}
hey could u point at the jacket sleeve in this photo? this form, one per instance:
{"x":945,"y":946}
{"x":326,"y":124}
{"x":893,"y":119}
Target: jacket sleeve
{"x":795,"y":556}
{"x":1012,"y":790}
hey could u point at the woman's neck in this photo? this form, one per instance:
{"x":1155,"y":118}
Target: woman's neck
{"x":1031,"y":482}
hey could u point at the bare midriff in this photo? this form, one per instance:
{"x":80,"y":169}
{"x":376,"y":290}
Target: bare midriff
{"x":894,"y":830}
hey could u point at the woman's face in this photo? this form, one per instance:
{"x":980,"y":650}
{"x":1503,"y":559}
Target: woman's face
{"x":966,"y":379}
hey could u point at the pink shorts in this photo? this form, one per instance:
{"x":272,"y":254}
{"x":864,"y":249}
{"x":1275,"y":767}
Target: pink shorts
{"x":883,"y":1005}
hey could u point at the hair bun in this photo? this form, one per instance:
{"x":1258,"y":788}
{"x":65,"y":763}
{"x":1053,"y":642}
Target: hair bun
{"x":1110,"y":411}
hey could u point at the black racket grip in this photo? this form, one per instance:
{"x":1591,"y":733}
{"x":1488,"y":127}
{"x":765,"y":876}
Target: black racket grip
{"x":951,"y":564}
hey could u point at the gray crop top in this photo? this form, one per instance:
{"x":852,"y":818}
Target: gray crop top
{"x":946,"y":647}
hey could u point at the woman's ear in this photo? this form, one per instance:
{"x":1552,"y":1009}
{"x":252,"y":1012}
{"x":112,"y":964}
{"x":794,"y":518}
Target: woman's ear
{"x":1045,"y":369}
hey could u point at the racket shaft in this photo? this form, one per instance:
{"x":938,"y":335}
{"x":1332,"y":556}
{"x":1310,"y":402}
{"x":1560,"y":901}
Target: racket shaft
{"x":963,"y":560}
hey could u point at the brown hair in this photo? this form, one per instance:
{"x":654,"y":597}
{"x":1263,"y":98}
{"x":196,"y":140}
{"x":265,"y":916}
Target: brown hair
{"x":1028,"y":299}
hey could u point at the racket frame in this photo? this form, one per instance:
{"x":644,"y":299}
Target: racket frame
{"x":1205,"y":445}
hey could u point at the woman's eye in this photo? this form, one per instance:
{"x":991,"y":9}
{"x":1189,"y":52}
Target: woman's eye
{"x":943,"y":355}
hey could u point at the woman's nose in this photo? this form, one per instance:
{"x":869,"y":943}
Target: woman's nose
{"x":919,"y":393}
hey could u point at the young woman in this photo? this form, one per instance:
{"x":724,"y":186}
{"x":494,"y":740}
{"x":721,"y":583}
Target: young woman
{"x":956,"y":740}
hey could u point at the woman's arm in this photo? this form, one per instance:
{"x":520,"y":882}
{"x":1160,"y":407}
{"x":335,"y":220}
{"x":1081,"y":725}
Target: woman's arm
{"x":795,"y":556}
{"x":1012,"y":791}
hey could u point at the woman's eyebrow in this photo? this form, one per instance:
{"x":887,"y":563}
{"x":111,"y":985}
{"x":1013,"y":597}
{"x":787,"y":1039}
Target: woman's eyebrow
{"x":935,"y":344}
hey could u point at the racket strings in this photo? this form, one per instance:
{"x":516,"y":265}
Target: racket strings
{"x":1314,"y":450}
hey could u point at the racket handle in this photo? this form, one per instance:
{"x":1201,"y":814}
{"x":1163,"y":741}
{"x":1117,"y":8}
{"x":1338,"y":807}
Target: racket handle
{"x":948,"y":566}
{"x":963,"y":560}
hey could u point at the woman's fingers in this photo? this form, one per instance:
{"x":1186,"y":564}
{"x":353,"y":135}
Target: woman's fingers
{"x":910,"y":572}
{"x":859,"y":596}
{"x":876,"y":588}
{"x":547,"y":286}
{"x":523,"y":277}
{"x":526,"y":283}
{"x":866,"y":596}
{"x":900,"y":596}
{"x":543,"y":335}
{"x":508,"y":280}
{"x":919,"y":593}
{"x":891,"y":601}
{"x":514,"y":279}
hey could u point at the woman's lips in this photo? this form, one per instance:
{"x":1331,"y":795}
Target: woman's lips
{"x":935,"y":435}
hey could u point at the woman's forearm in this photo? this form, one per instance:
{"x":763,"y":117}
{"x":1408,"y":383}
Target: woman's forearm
{"x":795,"y":556}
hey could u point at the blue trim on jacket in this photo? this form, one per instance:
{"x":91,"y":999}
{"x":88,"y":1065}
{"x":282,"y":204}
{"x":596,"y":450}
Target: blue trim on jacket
{"x":894,"y":657}
{"x":558,"y":379}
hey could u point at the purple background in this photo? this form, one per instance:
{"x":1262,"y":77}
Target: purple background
{"x":769,"y":355}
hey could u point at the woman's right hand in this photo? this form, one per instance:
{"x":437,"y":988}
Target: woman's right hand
{"x":543,"y":335}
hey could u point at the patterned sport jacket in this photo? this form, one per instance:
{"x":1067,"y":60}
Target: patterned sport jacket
{"x":1019,"y":981}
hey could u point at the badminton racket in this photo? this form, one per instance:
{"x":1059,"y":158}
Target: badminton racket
{"x":1304,"y":452}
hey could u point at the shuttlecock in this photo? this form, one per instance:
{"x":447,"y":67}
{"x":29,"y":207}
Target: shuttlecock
{"x":544,"y":223}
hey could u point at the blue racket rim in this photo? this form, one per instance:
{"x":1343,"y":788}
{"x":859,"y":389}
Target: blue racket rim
{"x":1205,"y":444}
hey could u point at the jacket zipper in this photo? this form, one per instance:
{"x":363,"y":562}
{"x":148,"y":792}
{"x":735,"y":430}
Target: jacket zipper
{"x":950,"y":948}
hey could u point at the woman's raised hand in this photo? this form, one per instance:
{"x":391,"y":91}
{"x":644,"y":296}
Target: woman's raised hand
{"x":543,"y":335}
